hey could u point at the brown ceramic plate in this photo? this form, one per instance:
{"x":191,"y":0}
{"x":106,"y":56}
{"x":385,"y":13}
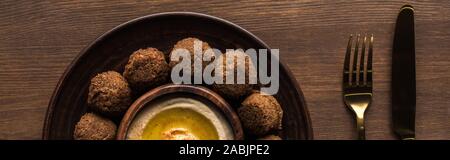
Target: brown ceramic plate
{"x":111,"y":51}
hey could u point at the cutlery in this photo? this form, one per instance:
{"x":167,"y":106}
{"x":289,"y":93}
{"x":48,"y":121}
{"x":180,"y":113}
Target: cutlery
{"x":404,"y":75}
{"x":357,"y":80}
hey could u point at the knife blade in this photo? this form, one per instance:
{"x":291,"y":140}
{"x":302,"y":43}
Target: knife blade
{"x":404,"y":75}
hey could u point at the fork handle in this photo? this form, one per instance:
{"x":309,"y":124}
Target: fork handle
{"x":360,"y":126}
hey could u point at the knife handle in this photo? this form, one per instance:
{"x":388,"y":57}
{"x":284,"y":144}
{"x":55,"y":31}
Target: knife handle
{"x":360,"y":126}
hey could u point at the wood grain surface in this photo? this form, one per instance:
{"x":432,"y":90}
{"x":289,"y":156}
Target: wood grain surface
{"x":39,"y":39}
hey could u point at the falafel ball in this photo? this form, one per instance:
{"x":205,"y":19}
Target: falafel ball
{"x":235,"y":91}
{"x":94,"y":127}
{"x":109,"y":94}
{"x":146,"y":68}
{"x":188,"y":44}
{"x":260,"y":114}
{"x":270,"y":137}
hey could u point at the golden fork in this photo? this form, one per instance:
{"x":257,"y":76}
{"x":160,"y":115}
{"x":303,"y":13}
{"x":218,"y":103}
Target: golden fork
{"x":357,"y":80}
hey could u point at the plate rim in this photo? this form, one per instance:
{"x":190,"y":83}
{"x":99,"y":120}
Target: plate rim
{"x":69,"y":69}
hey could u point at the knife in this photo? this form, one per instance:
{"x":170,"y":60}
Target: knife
{"x":404,"y":75}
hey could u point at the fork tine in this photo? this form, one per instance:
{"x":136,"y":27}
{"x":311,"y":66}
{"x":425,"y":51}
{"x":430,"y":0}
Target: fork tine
{"x":369,"y":61}
{"x":355,"y":61}
{"x":347,"y":61}
{"x":362,"y":70}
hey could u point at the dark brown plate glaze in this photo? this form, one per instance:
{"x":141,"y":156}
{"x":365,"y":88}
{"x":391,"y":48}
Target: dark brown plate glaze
{"x":200,"y":93}
{"x":111,"y":51}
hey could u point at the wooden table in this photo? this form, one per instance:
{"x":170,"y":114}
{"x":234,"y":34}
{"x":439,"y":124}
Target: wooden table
{"x":38,"y":40}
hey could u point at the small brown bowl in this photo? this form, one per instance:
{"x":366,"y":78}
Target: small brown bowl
{"x":197,"y":92}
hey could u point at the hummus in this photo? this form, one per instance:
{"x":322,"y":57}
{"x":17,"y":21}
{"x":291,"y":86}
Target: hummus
{"x":179,"y":118}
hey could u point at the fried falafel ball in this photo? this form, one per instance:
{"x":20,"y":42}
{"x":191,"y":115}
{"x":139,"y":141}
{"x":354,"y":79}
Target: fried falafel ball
{"x":94,"y":127}
{"x":270,"y":137}
{"x":109,"y":94}
{"x":146,"y":68}
{"x":188,"y":44}
{"x":260,"y":114}
{"x":235,"y":91}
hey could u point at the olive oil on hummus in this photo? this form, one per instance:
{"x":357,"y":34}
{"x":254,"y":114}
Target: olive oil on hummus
{"x":180,"y":124}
